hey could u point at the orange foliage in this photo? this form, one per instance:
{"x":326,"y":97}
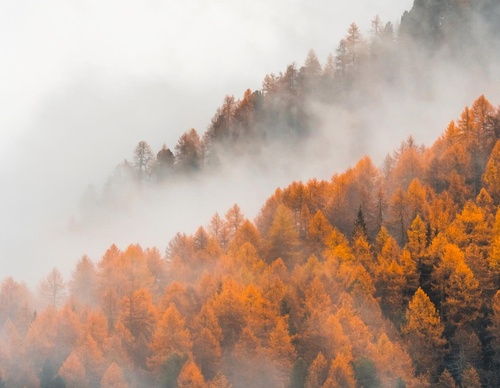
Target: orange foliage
{"x":331,"y":277}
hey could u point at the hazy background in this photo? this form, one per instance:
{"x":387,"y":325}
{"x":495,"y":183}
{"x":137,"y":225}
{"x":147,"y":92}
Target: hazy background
{"x":82,"y":82}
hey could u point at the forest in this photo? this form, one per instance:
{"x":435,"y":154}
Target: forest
{"x":382,"y":276}
{"x":280,"y":114}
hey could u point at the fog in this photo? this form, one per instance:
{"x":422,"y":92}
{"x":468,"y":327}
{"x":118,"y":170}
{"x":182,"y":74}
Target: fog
{"x":84,"y":82}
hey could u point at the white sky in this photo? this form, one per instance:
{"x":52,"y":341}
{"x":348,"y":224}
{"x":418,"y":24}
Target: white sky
{"x":224,"y":46}
{"x":81,"y":82}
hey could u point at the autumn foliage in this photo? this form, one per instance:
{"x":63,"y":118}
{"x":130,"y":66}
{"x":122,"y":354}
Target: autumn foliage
{"x":378,"y":277}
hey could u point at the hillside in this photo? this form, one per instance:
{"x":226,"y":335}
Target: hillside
{"x":378,"y":277}
{"x":384,"y":275}
{"x":437,"y":42}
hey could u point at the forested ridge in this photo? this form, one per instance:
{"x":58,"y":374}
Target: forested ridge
{"x":363,"y":66}
{"x":379,"y":277}
{"x":382,"y":276}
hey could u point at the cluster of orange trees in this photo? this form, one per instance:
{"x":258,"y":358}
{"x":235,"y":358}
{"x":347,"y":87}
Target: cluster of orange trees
{"x":379,"y":277}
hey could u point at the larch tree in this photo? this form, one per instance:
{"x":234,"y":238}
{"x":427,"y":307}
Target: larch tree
{"x":200,"y":239}
{"x":494,"y":329}
{"x":206,"y":342}
{"x":312,"y":65}
{"x":466,"y":126}
{"x":411,"y":274}
{"x":219,"y":381}
{"x":446,"y":380}
{"x":353,"y":41}
{"x":417,"y":199}
{"x":92,"y":358}
{"x":281,"y":349}
{"x":69,"y":330}
{"x":139,"y":316}
{"x":482,"y":111}
{"x":118,"y":345}
{"x":113,"y":377}
{"x":390,"y":285}
{"x":470,"y":227}
{"x":221,"y":130}
{"x":73,"y":372}
{"x":471,"y":133}
{"x":376,"y":27}
{"x":13,"y":296}
{"x":317,"y":303}
{"x":470,"y":378}
{"x":409,"y":165}
{"x":328,"y":75}
{"x":309,"y":74}
{"x":457,"y":288}
{"x":465,"y":351}
{"x":491,"y":177}
{"x":442,"y":211}
{"x":246,"y":116}
{"x":392,"y":361}
{"x":424,"y":332}
{"x":400,"y":214}
{"x":189,"y":152}
{"x":341,"y":64}
{"x":234,"y":219}
{"x":486,"y":203}
{"x":138,"y":313}
{"x":494,"y":251}
{"x":228,"y":307}
{"x":318,"y":231}
{"x":283,"y":238}
{"x":363,"y":254}
{"x":53,"y":288}
{"x":246,"y":233}
{"x":340,"y":373}
{"x":318,"y":372}
{"x":183,"y":296}
{"x":458,"y":188}
{"x":83,"y":285}
{"x":294,"y":198}
{"x":190,"y":376}
{"x":144,"y":160}
{"x":171,"y":337}
{"x":97,"y":326}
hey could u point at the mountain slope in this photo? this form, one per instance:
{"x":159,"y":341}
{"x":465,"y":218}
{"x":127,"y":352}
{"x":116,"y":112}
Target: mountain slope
{"x":377,"y":277}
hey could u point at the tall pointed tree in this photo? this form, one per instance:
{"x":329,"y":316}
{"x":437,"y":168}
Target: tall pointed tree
{"x":53,"y":288}
{"x":283,"y":238}
{"x":171,"y":337}
{"x":424,"y":332}
{"x":491,"y":177}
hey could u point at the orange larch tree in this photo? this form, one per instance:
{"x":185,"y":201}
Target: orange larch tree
{"x":283,"y":240}
{"x":491,"y":177}
{"x":424,"y":332}
{"x":73,"y":372}
{"x":171,"y":337}
{"x":83,"y":284}
{"x":190,"y":376}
